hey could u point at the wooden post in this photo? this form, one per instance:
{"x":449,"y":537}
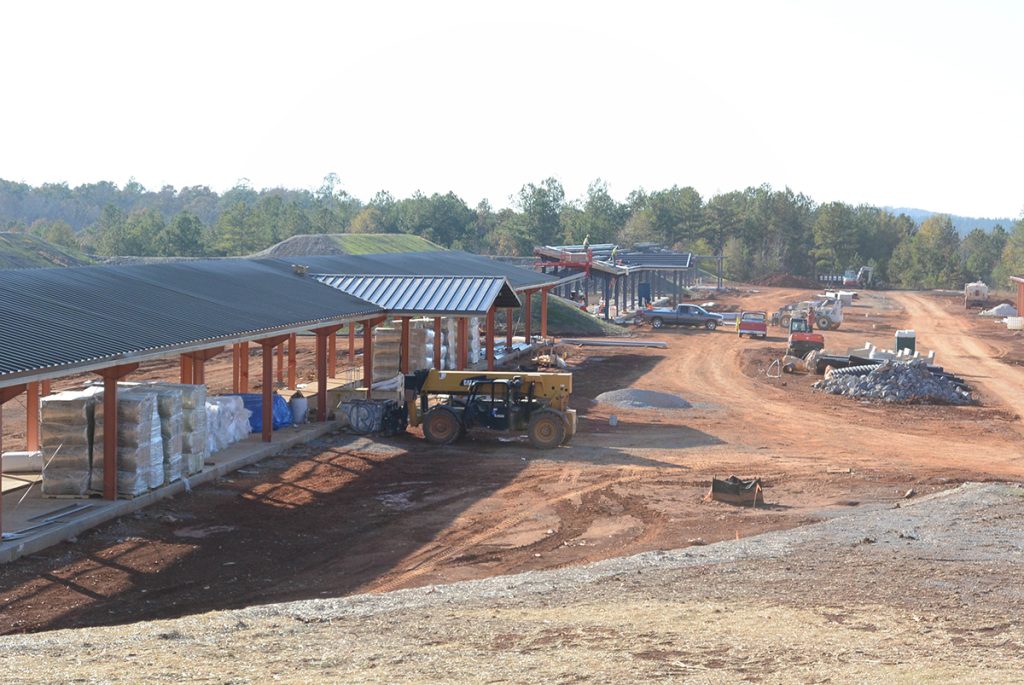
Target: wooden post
{"x":236,"y":362}
{"x":6,"y":395}
{"x":368,"y":358}
{"x":437,"y":343}
{"x":31,"y":417}
{"x":280,"y":363}
{"x":528,"y":315}
{"x":544,"y":313}
{"x":186,"y":369}
{"x":293,"y":343}
{"x":332,"y":355}
{"x":267,"y":347}
{"x":403,"y":354}
{"x":490,"y":339}
{"x":321,"y":376}
{"x":110,"y":378}
{"x":243,"y":367}
{"x":462,"y":361}
{"x":509,"y":320}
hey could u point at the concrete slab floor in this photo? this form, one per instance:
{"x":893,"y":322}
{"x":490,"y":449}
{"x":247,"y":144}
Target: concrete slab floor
{"x":34,"y":522}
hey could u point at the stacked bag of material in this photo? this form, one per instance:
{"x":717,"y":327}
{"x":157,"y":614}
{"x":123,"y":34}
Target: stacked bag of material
{"x":227,"y":422}
{"x":475,"y":353}
{"x":140,"y":454}
{"x":66,"y":433}
{"x":193,"y":425}
{"x":387,"y":344}
{"x":172,"y":426}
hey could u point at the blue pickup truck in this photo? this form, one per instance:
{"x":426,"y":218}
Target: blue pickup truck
{"x":682,"y":315}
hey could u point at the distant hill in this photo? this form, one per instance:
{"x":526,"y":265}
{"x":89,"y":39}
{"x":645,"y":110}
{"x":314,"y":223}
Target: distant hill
{"x":23,"y":251}
{"x":348,"y":243}
{"x":962,"y":224}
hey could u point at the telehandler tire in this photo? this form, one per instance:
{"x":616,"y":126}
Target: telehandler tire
{"x":546,"y":429}
{"x":441,"y":426}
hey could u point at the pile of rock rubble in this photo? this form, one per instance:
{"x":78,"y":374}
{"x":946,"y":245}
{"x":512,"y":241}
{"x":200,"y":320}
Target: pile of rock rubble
{"x":893,"y":381}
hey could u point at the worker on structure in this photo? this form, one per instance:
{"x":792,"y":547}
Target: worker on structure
{"x":615,"y":249}
{"x":810,"y":318}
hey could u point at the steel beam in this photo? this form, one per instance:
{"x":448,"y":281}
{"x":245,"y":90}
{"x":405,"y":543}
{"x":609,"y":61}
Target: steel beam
{"x":110,"y":377}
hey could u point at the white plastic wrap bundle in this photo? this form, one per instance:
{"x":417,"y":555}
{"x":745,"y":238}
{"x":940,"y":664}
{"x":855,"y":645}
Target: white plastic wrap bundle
{"x":227,"y":422}
{"x":474,"y":340}
{"x":65,"y":431}
{"x":140,"y":456}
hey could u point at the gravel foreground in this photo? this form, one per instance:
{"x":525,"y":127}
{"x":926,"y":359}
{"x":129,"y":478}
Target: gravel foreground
{"x":927,"y":591}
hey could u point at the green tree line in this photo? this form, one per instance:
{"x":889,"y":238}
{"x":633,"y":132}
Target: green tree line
{"x":758,"y":231}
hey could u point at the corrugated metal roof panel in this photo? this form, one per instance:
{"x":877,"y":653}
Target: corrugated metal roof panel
{"x":447,"y":263}
{"x":465,"y":295}
{"x":66,"y":318}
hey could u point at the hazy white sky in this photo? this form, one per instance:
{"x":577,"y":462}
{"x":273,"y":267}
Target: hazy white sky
{"x":898,"y":103}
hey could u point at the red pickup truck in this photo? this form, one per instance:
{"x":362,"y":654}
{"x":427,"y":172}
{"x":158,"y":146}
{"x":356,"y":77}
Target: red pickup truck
{"x":752,"y":323}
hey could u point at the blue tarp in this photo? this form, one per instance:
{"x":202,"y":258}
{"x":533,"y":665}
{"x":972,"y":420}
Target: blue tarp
{"x":281,"y":412}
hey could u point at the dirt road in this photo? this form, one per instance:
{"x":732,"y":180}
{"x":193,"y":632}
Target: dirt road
{"x":349,"y":515}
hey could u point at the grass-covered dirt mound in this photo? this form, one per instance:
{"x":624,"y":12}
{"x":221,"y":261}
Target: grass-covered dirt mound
{"x":22,"y":251}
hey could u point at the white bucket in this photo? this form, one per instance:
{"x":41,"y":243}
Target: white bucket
{"x":299,"y":405}
{"x":1015,"y":323}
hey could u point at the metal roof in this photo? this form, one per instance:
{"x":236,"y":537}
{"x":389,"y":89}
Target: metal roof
{"x":56,"y":321}
{"x":428,"y":295}
{"x":446,"y":263}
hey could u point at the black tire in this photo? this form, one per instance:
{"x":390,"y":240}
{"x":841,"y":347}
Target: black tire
{"x":656,"y":322}
{"x":784,"y":321}
{"x":441,"y":426}
{"x":546,"y":429}
{"x":711,"y":325}
{"x":824,"y":323}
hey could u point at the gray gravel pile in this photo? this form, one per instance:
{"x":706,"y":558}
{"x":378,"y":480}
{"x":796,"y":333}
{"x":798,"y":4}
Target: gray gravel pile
{"x":903,"y":382}
{"x":629,"y":398}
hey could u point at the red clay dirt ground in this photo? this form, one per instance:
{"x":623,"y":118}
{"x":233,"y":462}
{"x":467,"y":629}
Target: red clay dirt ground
{"x":348,"y":514}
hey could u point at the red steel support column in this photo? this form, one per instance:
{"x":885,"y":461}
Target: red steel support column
{"x":293,"y":343}
{"x":6,"y":395}
{"x":351,"y":342}
{"x":186,"y":369}
{"x":509,"y":320}
{"x":528,"y":315}
{"x":437,"y":343}
{"x":110,"y":378}
{"x":403,"y":363}
{"x":198,"y":369}
{"x":490,"y":339}
{"x":31,"y":417}
{"x":1020,"y":298}
{"x":332,"y":355}
{"x":45,"y":387}
{"x":243,"y":367}
{"x":544,"y":313}
{"x":462,"y":360}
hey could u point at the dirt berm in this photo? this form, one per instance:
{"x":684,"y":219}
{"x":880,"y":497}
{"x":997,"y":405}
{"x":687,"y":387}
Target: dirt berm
{"x":924,"y":591}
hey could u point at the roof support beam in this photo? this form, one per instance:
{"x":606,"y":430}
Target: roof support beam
{"x":243,"y":367}
{"x":437,"y":343}
{"x":110,"y":377}
{"x":332,"y":355}
{"x":352,"y":342}
{"x":509,"y":324}
{"x":528,"y":315}
{"x":280,"y":361}
{"x":368,"y":354}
